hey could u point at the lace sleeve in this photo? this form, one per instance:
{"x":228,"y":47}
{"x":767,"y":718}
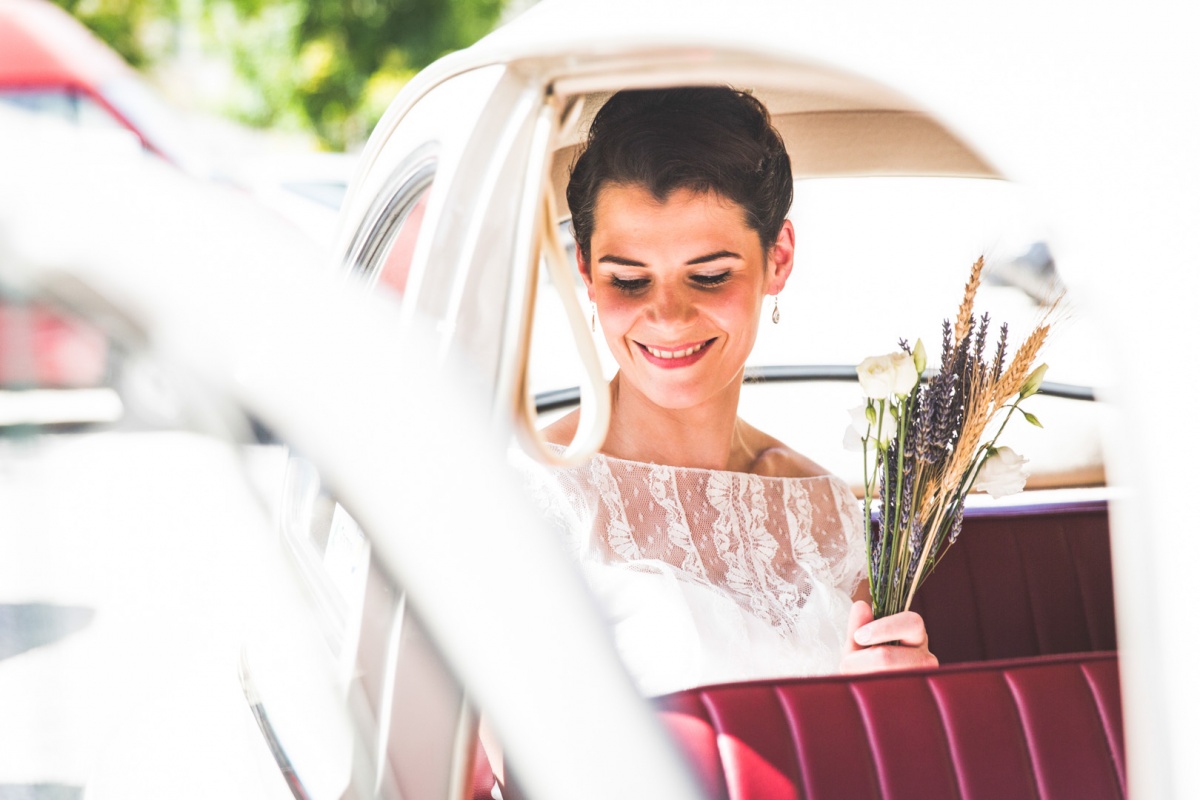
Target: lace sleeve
{"x":825,"y":526}
{"x":849,"y":511}
{"x":557,"y":498}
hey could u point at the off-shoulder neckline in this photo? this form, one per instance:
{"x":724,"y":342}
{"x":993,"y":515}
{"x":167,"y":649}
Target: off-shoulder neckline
{"x":828,"y":476}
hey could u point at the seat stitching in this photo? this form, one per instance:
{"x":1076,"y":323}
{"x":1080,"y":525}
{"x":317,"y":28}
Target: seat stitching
{"x":1072,"y":553}
{"x":981,"y":638}
{"x":858,"y":703}
{"x":1108,"y":737}
{"x":1026,"y":580}
{"x":802,"y":786}
{"x":937,"y":702}
{"x":1025,"y":739}
{"x":706,"y":702}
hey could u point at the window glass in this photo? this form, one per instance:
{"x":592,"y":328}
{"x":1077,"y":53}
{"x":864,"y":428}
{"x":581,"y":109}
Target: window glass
{"x":63,"y":104}
{"x":383,"y":251}
{"x":393,"y":272}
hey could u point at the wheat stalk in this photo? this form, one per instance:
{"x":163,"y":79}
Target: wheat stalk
{"x":976,"y":422}
{"x":963,"y":324}
{"x":1022,"y":364}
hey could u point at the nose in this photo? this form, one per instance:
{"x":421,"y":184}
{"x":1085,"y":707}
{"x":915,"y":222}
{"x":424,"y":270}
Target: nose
{"x":671,"y":305}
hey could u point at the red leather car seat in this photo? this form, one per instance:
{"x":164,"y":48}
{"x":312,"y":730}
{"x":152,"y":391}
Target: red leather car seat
{"x":1023,"y":582}
{"x":1048,"y":727}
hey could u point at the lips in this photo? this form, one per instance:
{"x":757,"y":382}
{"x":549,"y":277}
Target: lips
{"x":680,"y":356}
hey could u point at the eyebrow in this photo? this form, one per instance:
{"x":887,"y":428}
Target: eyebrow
{"x":717,"y":256}
{"x":704,"y":259}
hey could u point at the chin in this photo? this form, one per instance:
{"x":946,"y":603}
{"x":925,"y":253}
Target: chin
{"x":682,"y":394}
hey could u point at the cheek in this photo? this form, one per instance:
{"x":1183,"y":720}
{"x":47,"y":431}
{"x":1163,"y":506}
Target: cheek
{"x":737,"y":309}
{"x":615,"y":306}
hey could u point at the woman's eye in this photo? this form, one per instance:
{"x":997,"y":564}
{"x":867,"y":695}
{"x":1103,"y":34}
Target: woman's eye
{"x":712,"y":280}
{"x":628,"y":284}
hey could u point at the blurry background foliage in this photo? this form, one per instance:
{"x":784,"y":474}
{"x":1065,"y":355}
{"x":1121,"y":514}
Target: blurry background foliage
{"x":326,"y":68}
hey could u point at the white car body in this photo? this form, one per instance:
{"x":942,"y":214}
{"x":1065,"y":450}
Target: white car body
{"x":1049,"y":96}
{"x":1046,"y":96}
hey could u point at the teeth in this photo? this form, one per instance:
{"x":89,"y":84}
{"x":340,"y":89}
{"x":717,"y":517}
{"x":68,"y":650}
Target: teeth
{"x":654,"y":351}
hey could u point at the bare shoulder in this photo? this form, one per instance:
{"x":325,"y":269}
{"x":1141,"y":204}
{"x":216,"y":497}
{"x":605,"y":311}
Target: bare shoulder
{"x":775,"y":459}
{"x":562,"y":430}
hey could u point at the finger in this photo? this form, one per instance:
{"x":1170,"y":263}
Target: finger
{"x":885,"y":658}
{"x":906,"y":628}
{"x":860,"y":615}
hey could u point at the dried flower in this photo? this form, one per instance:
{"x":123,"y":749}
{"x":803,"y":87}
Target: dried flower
{"x":926,"y":446}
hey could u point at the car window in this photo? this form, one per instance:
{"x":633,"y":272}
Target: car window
{"x":393,"y":272}
{"x":384,"y":248}
{"x":64,"y":104}
{"x":878,"y":259}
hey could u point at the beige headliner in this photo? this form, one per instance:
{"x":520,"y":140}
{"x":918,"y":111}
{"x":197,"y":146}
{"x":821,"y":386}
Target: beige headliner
{"x":839,"y":129}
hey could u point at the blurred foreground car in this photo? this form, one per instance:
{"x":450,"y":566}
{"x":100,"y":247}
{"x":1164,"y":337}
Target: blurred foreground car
{"x":420,"y":618}
{"x":52,"y":67}
{"x":51,"y":64}
{"x":133,"y":561}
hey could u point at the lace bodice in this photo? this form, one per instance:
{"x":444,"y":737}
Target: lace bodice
{"x":710,"y":575}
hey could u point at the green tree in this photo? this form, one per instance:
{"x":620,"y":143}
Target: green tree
{"x":325,"y":67}
{"x":330,"y":66}
{"x":137,"y":29}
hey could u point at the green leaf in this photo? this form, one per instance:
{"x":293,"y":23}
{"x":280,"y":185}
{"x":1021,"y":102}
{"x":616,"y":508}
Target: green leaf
{"x":1031,"y":419}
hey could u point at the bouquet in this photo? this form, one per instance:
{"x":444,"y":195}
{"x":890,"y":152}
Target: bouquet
{"x":927,"y":444}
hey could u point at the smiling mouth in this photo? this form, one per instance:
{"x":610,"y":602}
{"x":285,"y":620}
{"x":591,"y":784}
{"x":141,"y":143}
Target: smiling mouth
{"x":677,"y":352}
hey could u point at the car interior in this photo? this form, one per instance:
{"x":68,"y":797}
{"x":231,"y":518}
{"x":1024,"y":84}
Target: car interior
{"x":1020,"y":612}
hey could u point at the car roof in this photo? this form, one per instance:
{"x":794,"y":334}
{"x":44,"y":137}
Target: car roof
{"x":41,"y":44}
{"x":825,"y":109}
{"x":835,"y":121}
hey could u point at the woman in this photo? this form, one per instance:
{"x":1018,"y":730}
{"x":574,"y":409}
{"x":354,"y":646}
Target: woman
{"x":719,"y":552}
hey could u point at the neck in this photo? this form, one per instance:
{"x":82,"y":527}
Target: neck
{"x":708,"y":436}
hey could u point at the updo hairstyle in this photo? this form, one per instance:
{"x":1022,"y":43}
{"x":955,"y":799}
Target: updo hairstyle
{"x":703,"y":139}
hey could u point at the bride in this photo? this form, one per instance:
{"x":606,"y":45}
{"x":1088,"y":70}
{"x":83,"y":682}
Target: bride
{"x":718,"y":552}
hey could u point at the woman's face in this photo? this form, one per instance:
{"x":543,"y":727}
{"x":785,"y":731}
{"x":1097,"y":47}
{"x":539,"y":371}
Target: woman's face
{"x":679,"y":287}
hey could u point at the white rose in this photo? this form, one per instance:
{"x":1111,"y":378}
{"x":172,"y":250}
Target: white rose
{"x":1002,"y":473}
{"x":882,"y":376}
{"x":876,"y":375}
{"x":905,"y":373}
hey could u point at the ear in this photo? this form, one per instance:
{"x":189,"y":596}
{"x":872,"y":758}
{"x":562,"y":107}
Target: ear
{"x":585,"y":271}
{"x":780,"y":258}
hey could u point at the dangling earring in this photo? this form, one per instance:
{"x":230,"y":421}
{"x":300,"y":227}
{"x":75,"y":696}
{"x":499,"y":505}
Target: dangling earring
{"x":593,"y":317}
{"x":775,"y":313}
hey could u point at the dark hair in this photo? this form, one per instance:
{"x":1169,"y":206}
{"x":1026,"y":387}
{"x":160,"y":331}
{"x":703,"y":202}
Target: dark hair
{"x":704,"y":138}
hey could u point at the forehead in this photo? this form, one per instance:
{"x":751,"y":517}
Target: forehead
{"x":633,"y":210}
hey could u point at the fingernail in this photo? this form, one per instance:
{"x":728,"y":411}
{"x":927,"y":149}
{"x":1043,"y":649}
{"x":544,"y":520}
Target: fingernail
{"x":863,"y":635}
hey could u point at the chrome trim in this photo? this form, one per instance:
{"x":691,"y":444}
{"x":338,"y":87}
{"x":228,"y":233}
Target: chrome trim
{"x":568,"y":396}
{"x":250,"y":691}
{"x":397,"y":195}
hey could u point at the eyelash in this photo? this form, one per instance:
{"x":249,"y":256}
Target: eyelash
{"x":628,"y":286}
{"x":712,"y":280}
{"x":631,"y":286}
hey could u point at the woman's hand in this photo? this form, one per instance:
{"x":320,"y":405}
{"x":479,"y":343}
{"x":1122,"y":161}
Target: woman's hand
{"x":894,"y":642}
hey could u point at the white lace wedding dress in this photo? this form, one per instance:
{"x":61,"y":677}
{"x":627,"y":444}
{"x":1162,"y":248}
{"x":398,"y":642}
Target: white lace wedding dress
{"x":710,"y":576}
